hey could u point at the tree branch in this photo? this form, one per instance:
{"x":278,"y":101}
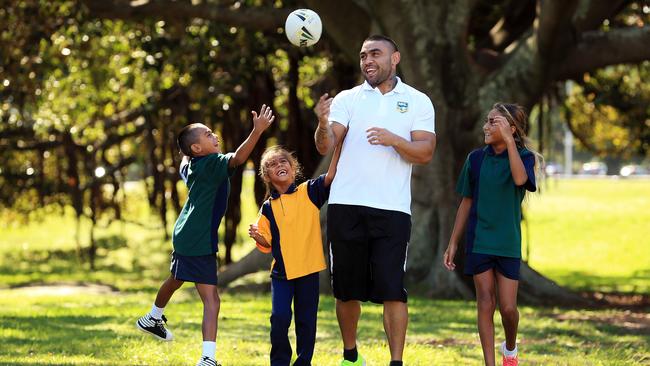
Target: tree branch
{"x":591,"y":13}
{"x":534,"y":56}
{"x":262,"y":18}
{"x":519,"y":17}
{"x":599,"y":49}
{"x":346,"y":23}
{"x":554,"y":20}
{"x":109,"y":170}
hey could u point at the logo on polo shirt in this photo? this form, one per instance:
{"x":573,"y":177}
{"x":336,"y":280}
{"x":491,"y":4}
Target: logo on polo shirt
{"x":402,"y":107}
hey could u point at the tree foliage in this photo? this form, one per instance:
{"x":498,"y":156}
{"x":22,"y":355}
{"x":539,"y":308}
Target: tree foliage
{"x":609,"y":111}
{"x":88,"y":103}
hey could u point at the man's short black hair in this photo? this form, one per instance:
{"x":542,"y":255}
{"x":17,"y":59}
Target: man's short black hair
{"x":186,"y":137}
{"x":379,"y":37}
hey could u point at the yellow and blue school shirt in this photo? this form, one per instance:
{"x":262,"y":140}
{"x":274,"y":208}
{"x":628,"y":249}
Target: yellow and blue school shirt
{"x":207,"y":180}
{"x":494,"y":222}
{"x":291,"y":223}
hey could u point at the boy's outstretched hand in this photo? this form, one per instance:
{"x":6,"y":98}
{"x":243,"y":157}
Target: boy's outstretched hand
{"x":262,"y":121}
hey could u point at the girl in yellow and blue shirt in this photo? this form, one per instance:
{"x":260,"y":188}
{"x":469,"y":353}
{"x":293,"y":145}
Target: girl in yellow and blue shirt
{"x":288,"y":227}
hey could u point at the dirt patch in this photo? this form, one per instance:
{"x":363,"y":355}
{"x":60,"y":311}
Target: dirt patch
{"x":447,"y":342}
{"x":626,"y":319}
{"x":620,"y":300}
{"x":62,"y":289}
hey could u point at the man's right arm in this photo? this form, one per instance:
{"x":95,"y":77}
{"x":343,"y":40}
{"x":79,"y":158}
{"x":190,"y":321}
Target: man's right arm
{"x":327,"y":134}
{"x":328,"y":137}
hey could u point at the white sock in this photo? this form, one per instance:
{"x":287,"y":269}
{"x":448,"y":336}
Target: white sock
{"x":507,"y":352}
{"x":209,"y":349}
{"x":156,"y":312}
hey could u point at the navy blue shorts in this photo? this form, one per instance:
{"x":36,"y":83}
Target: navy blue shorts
{"x":476,"y":263}
{"x":199,"y":269}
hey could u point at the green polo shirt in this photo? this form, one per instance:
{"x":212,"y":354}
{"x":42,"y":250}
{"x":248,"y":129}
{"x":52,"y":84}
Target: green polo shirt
{"x":494,"y":223}
{"x":195,"y":230}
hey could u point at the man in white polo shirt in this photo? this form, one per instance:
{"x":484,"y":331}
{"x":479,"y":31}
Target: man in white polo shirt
{"x":386,"y":127}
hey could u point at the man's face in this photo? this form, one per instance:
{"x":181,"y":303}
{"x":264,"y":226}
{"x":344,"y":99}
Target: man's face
{"x":378,"y":61}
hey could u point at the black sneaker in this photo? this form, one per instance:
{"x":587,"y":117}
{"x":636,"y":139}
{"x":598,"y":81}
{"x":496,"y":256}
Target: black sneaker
{"x":155,"y":327}
{"x":207,"y":361}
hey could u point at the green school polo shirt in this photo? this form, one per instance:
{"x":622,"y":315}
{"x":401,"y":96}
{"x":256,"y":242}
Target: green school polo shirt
{"x":195,"y":230}
{"x":494,"y":223}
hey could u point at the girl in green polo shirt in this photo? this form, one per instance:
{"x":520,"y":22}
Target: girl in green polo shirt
{"x":504,"y":170}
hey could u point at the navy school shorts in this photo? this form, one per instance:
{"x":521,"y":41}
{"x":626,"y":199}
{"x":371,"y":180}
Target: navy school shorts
{"x":368,"y":250}
{"x":476,"y":263}
{"x":197,"y":269}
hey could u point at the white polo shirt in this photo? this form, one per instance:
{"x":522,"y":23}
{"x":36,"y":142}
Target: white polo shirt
{"x":373,"y":175}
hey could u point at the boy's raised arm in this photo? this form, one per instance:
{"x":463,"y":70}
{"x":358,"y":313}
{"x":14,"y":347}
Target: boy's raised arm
{"x":260,"y":123}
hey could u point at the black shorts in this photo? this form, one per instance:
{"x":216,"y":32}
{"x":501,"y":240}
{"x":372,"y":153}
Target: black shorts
{"x":197,"y":269}
{"x":476,"y":263}
{"x":368,"y":249}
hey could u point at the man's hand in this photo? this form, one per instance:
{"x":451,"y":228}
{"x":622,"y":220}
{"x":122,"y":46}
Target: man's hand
{"x":382,"y":136}
{"x":322,"y":110}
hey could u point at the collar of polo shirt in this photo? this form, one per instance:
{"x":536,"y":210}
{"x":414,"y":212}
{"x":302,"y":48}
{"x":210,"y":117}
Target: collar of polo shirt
{"x":399,"y":87}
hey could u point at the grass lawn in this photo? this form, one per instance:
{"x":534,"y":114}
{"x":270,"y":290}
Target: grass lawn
{"x":39,"y":328}
{"x":586,"y":234}
{"x":592,"y":234}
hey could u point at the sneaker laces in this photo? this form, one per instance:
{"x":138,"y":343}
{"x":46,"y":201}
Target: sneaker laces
{"x":160,"y":323}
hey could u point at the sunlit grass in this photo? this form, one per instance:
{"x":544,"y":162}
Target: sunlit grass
{"x":586,"y":234}
{"x":98,"y":329}
{"x":592,"y":234}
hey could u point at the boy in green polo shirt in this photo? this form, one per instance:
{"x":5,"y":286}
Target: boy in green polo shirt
{"x":504,"y":170}
{"x":205,"y":170}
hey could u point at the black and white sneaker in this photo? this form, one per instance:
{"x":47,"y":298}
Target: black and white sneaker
{"x":155,"y":327}
{"x":207,"y":361}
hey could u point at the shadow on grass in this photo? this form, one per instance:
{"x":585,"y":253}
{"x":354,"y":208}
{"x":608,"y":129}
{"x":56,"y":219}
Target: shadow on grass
{"x":56,"y":335}
{"x":636,"y":283}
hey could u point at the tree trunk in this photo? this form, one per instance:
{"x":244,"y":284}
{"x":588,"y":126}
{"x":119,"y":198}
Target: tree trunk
{"x":455,"y":88}
{"x":436,"y":60}
{"x":254,"y":261}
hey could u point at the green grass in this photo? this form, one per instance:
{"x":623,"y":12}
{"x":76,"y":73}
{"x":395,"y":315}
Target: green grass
{"x":92,"y":329}
{"x":585,"y":234}
{"x":592,"y":234}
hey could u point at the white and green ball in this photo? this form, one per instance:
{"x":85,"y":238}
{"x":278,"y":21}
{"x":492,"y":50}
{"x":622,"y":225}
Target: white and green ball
{"x":303,"y":27}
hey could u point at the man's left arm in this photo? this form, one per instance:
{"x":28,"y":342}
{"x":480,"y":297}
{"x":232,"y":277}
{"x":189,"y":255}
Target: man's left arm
{"x":417,"y":151}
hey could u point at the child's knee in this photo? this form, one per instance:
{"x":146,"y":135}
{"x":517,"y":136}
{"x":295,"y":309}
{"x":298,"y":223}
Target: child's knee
{"x":216,"y":300}
{"x":486,"y":301}
{"x":508,"y":310}
{"x":281,"y":319}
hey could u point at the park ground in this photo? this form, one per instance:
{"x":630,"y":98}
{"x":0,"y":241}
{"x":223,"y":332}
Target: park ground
{"x":587,"y":235}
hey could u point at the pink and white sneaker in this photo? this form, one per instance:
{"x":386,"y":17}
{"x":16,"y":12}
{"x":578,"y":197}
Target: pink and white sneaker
{"x":509,"y":360}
